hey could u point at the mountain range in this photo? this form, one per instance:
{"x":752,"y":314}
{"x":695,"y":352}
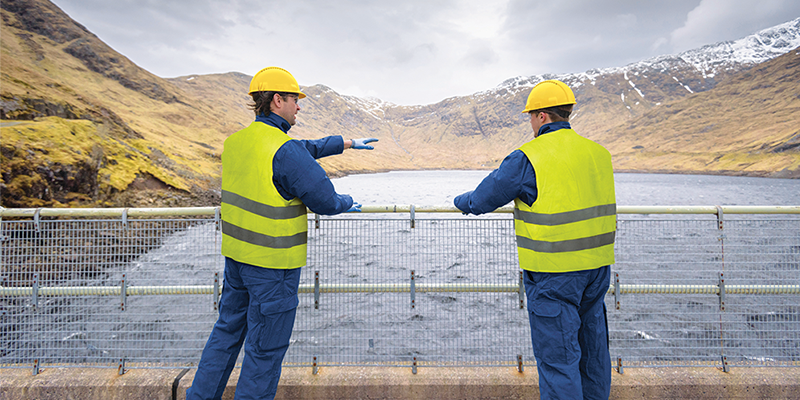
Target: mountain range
{"x":83,"y":125}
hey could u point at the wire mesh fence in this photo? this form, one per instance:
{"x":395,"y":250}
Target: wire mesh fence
{"x":393,"y":289}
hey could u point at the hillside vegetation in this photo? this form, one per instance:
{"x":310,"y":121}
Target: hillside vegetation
{"x":108,"y":122}
{"x":83,"y":126}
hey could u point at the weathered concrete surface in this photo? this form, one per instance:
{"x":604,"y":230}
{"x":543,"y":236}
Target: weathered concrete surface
{"x":706,"y":383}
{"x":86,"y":384}
{"x":400,"y":383}
{"x":507,"y":383}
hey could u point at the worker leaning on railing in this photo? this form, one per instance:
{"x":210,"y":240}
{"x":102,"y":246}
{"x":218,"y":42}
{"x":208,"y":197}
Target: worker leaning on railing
{"x":268,"y":180}
{"x":564,"y":218}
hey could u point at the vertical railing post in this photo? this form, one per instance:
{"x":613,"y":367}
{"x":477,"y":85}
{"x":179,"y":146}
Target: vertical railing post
{"x":35,"y":292}
{"x":216,"y":291}
{"x":123,"y":293}
{"x":413,"y":290}
{"x":520,"y":367}
{"x":36,"y":223}
{"x":721,"y":239}
{"x":617,"y":293}
{"x":125,"y":219}
{"x":521,"y":291}
{"x":316,"y":290}
{"x":413,"y":217}
{"x":722,"y":291}
{"x":725,"y":367}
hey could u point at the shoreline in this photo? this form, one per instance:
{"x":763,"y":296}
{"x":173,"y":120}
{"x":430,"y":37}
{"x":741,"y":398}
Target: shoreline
{"x":750,"y":174}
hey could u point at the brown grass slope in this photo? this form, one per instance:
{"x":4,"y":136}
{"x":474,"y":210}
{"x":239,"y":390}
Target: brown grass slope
{"x":748,"y":124}
{"x":88,"y":123}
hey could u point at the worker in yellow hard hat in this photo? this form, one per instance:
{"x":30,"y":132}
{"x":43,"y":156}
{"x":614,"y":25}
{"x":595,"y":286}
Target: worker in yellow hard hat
{"x":562,"y":186}
{"x":268,"y":181}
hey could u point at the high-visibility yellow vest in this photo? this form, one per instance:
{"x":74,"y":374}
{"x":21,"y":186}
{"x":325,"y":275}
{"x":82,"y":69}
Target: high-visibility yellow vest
{"x":259,"y":226}
{"x":572,"y":224}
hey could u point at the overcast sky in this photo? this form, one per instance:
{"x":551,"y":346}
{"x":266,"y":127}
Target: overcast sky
{"x":417,"y":51}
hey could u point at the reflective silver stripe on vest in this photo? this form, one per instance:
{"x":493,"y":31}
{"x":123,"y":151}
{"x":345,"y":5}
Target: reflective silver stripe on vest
{"x":261,"y":209}
{"x":591,"y":242}
{"x":260,"y":239}
{"x":565,"y":217}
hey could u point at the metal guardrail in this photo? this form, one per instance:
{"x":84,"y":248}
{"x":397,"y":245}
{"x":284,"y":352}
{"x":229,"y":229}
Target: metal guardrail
{"x":371,"y":209}
{"x":59,"y":264}
{"x":390,"y":288}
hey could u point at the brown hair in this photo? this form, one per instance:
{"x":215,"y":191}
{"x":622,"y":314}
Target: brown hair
{"x":557,"y":113}
{"x":262,"y":100}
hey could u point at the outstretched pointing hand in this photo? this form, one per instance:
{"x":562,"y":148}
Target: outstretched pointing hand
{"x":361,"y":144}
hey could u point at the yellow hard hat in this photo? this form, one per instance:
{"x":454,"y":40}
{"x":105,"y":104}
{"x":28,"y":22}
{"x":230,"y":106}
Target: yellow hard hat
{"x":275,"y":79}
{"x":549,"y":94}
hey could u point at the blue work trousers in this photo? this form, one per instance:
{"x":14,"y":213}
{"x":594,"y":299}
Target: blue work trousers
{"x":257,"y":308}
{"x":569,"y":332}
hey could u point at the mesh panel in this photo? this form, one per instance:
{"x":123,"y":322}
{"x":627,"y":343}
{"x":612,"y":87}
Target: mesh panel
{"x":381,"y":289}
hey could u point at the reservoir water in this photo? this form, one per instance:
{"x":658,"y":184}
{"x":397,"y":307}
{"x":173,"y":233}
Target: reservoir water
{"x":440,"y":187}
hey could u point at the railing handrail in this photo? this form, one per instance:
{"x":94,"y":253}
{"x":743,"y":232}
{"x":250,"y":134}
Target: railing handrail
{"x":389,"y":288}
{"x":374,"y":209}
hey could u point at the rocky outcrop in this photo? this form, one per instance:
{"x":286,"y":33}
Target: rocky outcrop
{"x":26,"y":108}
{"x":27,"y":183}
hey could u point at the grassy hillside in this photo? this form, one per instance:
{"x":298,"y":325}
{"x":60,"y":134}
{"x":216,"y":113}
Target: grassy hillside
{"x":748,"y":124}
{"x":104,"y":114}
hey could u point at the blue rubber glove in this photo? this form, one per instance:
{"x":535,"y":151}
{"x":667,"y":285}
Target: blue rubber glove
{"x":354,"y":208}
{"x":361,"y":144}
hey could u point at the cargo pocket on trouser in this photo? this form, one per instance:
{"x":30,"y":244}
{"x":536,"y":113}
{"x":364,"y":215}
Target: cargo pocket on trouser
{"x":269,"y":330}
{"x":269,"y":338}
{"x":276,"y":320}
{"x":547,"y":333}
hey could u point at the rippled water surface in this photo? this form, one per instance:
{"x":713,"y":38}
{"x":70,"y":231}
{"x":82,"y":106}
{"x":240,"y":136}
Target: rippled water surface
{"x":440,"y":187}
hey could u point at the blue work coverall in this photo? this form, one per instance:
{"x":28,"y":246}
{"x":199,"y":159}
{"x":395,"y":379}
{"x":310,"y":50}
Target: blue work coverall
{"x":258,"y":305}
{"x":567,"y":312}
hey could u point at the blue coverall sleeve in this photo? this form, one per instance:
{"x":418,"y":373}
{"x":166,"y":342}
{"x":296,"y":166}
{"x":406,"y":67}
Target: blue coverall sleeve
{"x":297,"y":174}
{"x":327,"y":146}
{"x":514,"y":178}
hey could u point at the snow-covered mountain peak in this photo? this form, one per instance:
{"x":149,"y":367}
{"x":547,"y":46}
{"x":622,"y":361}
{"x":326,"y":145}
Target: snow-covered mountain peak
{"x":708,"y":60}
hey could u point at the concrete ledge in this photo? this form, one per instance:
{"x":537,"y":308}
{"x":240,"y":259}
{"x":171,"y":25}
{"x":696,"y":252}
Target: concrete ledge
{"x":400,"y":383}
{"x":86,"y":383}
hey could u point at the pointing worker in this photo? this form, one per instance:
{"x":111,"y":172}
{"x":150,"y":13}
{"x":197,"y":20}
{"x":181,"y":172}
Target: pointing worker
{"x":268,"y":180}
{"x":562,"y":186}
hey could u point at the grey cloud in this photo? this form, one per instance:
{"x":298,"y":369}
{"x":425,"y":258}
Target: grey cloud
{"x":416,"y":51}
{"x":719,"y":20}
